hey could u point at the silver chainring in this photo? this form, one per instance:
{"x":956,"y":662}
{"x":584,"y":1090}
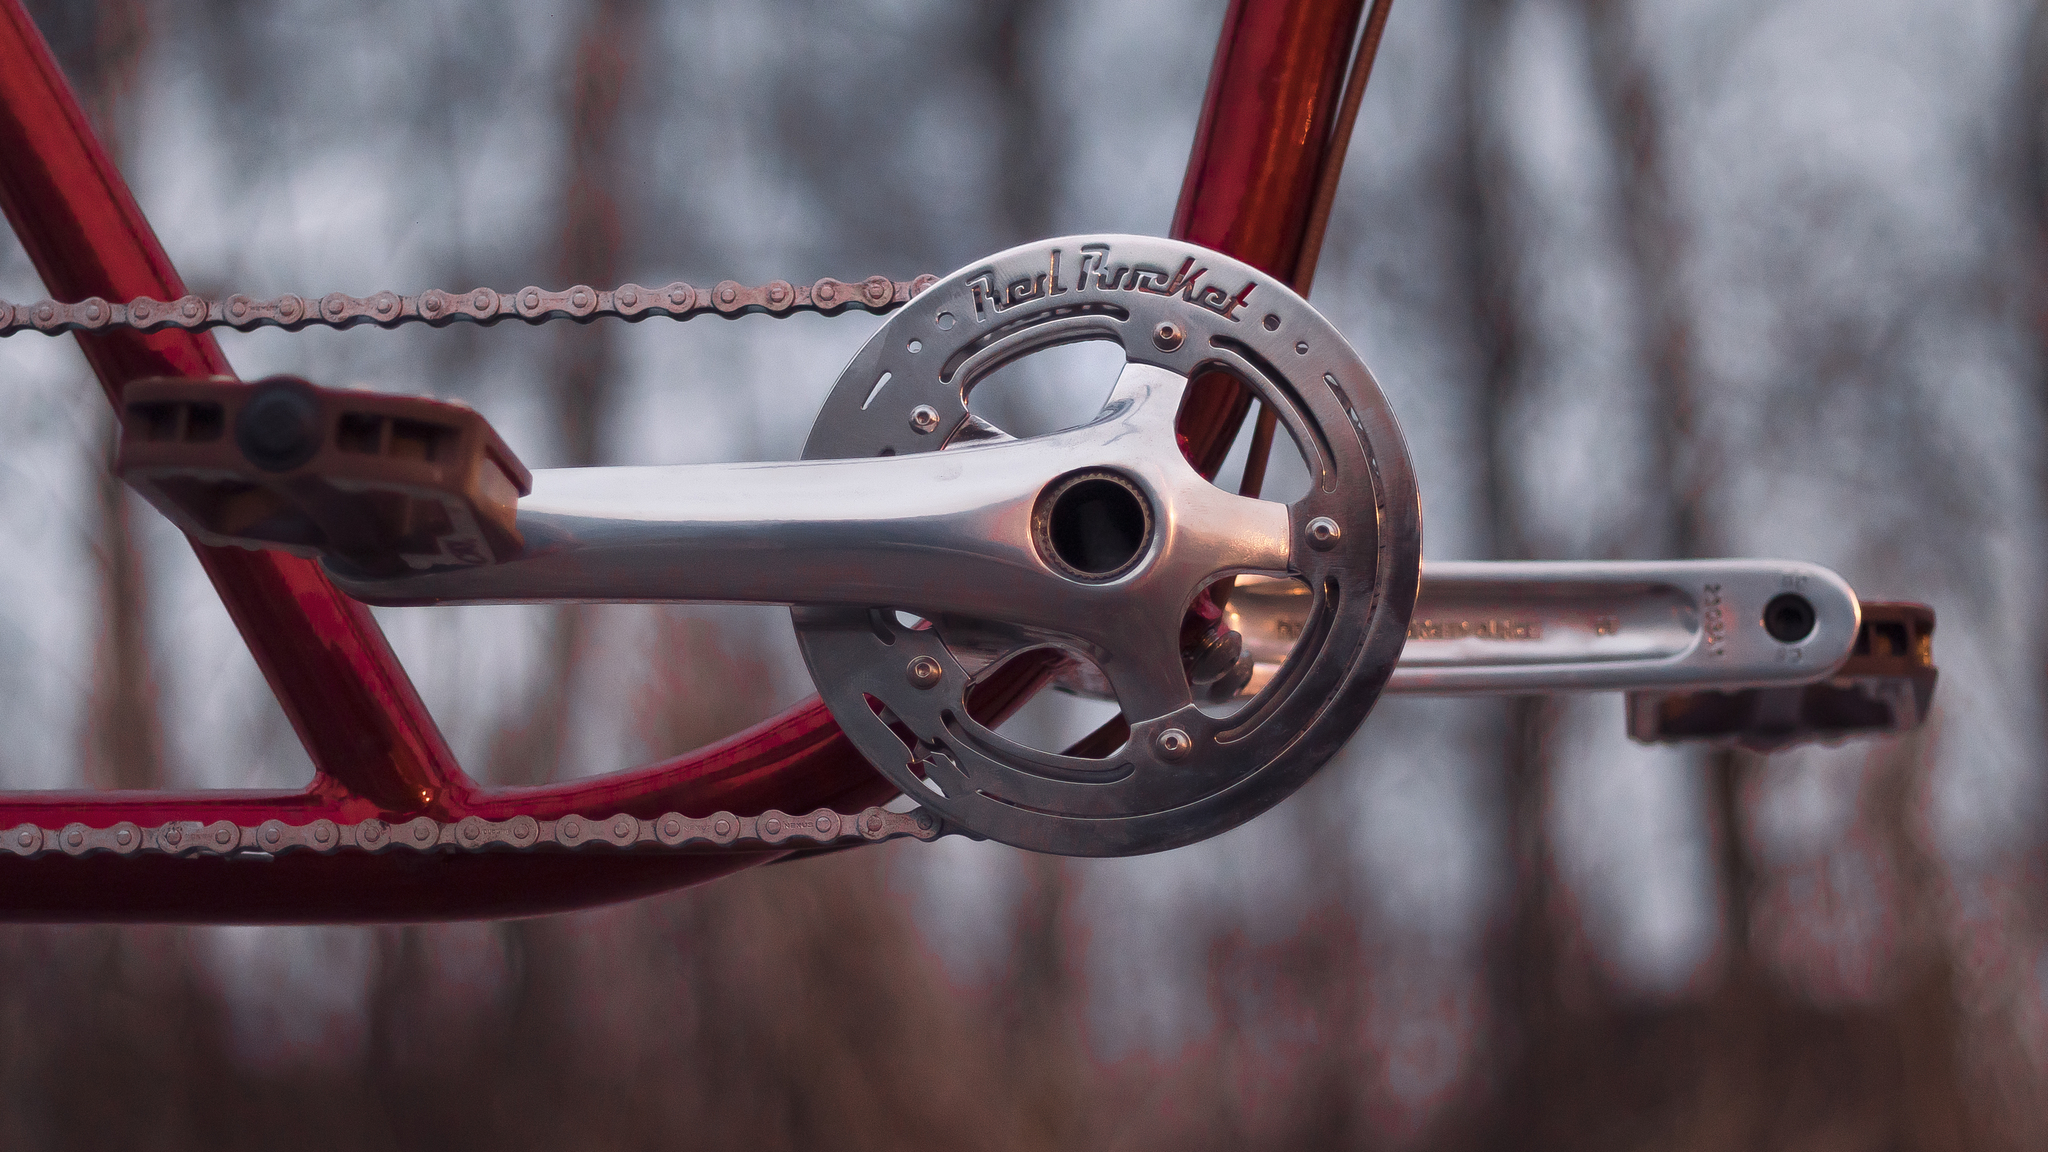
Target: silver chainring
{"x":1177,"y":310}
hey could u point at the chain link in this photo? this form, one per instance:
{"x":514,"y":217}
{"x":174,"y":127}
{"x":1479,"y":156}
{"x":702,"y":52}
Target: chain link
{"x":671,"y":831}
{"x":580,"y":303}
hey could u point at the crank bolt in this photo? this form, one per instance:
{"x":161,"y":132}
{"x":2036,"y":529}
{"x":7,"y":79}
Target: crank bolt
{"x":924,"y":672}
{"x":924,"y":418}
{"x":1168,"y":335}
{"x":1173,"y":744}
{"x":1323,"y":533}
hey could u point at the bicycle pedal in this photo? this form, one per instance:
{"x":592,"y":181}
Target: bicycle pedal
{"x":1884,"y":687}
{"x":380,"y":483}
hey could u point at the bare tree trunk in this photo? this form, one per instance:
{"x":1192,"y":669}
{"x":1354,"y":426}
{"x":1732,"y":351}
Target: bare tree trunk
{"x":123,"y":737}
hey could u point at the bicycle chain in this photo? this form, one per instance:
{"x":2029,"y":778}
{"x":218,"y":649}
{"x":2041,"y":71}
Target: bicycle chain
{"x":673,"y":830}
{"x":580,"y":303}
{"x":434,"y":307}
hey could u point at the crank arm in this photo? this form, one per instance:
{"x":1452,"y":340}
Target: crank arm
{"x":977,"y":531}
{"x":1756,"y":653}
{"x":1508,"y":628}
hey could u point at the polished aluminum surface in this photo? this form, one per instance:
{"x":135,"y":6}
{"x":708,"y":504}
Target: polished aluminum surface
{"x":934,"y":534}
{"x":1585,"y":626}
{"x":1572,"y":626}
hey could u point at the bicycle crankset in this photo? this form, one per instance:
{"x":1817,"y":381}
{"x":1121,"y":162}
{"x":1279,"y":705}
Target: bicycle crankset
{"x":925,"y":551}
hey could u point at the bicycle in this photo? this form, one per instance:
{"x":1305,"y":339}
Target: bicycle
{"x":388,"y":802}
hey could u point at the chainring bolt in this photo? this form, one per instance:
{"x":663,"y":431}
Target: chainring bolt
{"x":925,"y":419}
{"x":924,"y":672}
{"x":1173,"y":744}
{"x":1168,"y":335}
{"x":1323,"y":533}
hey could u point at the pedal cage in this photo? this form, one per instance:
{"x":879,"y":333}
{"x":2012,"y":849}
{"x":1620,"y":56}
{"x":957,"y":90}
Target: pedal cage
{"x":380,"y":483}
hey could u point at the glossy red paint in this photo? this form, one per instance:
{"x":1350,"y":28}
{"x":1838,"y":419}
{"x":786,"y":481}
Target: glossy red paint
{"x":1259,"y":150}
{"x":1264,"y":128}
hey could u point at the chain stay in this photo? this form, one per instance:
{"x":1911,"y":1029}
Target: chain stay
{"x":671,"y":831}
{"x":580,"y":303}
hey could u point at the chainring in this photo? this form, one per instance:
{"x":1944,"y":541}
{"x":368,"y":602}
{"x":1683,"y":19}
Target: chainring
{"x":901,"y":693}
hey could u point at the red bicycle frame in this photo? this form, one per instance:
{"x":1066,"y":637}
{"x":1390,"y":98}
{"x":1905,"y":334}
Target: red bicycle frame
{"x":1264,"y":137}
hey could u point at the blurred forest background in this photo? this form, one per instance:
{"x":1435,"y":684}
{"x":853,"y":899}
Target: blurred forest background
{"x":1641,"y":280}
